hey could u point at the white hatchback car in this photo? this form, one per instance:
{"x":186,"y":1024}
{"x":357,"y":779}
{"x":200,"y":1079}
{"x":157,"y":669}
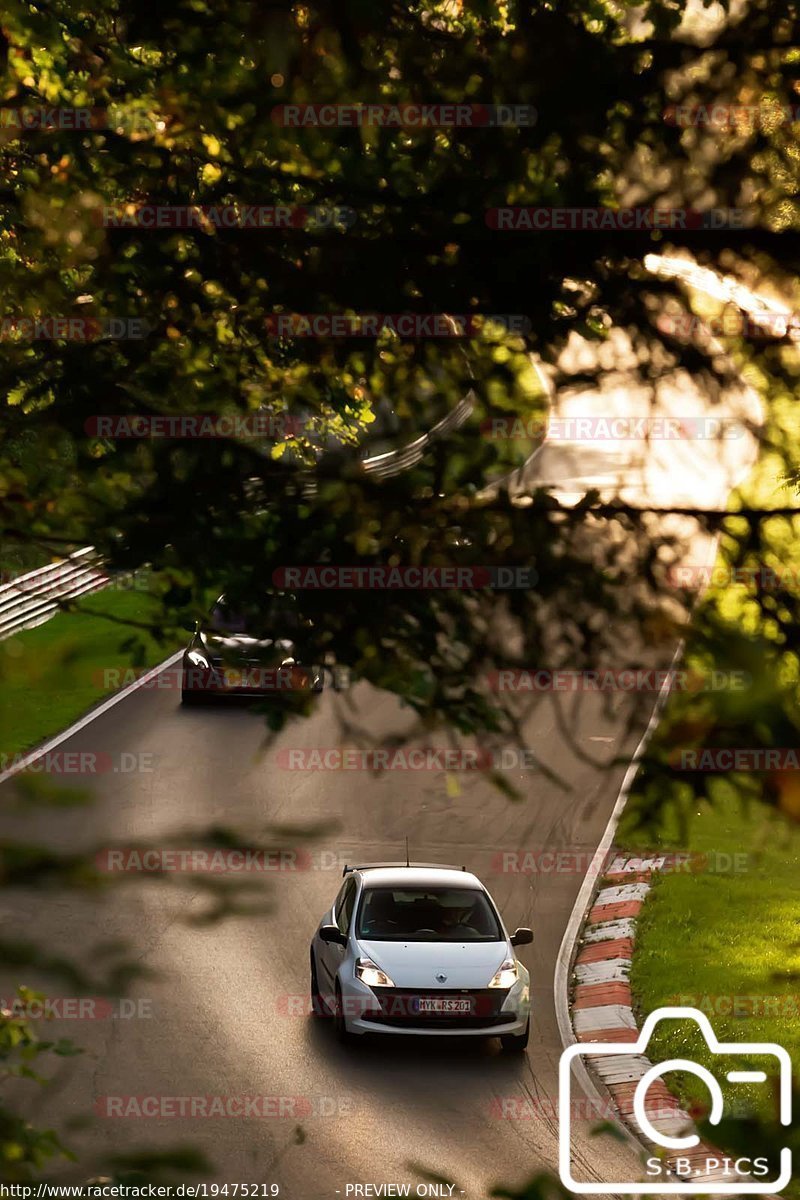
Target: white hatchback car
{"x":419,"y":949}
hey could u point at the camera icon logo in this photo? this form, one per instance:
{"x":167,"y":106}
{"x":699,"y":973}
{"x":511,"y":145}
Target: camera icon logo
{"x":677,"y":1171}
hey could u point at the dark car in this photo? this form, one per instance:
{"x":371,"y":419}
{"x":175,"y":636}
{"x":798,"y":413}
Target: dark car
{"x":233,"y":655}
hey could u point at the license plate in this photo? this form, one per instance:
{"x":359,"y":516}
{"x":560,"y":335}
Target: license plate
{"x":249,"y":677}
{"x":444,"y":1004}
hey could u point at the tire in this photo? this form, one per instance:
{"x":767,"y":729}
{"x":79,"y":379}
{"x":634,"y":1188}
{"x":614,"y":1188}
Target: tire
{"x":191,"y":699}
{"x":318,"y":1006}
{"x":342,"y":1033}
{"x":516,"y":1043}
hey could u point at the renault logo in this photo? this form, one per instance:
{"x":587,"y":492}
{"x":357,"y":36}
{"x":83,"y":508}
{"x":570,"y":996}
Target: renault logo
{"x":441,"y":977}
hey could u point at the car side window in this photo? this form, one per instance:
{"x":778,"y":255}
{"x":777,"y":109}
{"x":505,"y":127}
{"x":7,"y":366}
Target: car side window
{"x":336,"y":907}
{"x":345,"y":904}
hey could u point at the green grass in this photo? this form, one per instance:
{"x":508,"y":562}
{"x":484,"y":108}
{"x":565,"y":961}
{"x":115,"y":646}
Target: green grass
{"x":51,"y":675}
{"x":725,"y":938}
{"x":16,"y":558}
{"x":728,"y":925}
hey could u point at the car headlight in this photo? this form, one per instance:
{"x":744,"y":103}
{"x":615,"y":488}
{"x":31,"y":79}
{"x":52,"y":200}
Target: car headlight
{"x":506,"y":974}
{"x":198,"y":659}
{"x":371,"y":974}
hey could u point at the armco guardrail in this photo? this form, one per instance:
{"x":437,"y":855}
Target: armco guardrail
{"x":31,"y":599}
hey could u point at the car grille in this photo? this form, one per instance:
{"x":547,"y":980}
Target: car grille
{"x":400,"y":1008}
{"x":250,"y":676}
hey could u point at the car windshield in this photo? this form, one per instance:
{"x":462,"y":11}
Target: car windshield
{"x":277,"y":616}
{"x":400,"y":914}
{"x":224,"y":620}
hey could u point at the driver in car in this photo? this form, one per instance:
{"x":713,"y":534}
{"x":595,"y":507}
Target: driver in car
{"x":455,"y":923}
{"x":380,"y":916}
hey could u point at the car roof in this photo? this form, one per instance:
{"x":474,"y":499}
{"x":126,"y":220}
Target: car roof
{"x":418,"y":877}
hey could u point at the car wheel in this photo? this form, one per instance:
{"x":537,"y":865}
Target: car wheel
{"x":516,"y":1043}
{"x":318,"y":1006}
{"x":191,"y":699}
{"x":342,"y":1032}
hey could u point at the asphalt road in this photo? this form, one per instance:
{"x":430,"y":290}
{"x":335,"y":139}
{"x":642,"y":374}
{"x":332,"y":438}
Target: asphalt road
{"x":225,"y":1009}
{"x":226,"y":998}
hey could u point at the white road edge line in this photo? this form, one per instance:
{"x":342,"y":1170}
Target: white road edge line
{"x":584,"y":897}
{"x":94,"y":713}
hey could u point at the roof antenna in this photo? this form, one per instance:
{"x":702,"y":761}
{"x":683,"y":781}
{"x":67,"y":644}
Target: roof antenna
{"x":408,"y":864}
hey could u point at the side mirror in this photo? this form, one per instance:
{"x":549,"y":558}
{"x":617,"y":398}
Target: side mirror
{"x":332,"y":934}
{"x":521,"y":937}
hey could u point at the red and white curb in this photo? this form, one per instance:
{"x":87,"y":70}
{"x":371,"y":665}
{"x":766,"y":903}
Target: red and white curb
{"x":601,"y":1009}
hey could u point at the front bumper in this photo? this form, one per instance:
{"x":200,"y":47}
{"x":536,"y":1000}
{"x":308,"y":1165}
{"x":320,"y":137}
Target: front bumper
{"x":492,"y":1012}
{"x":249,"y":680}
